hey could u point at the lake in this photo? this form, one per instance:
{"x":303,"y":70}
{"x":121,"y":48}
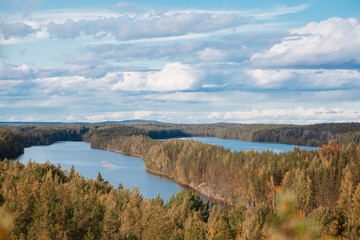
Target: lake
{"x":237,"y":145}
{"x":129,"y":171}
{"x":114,"y":167}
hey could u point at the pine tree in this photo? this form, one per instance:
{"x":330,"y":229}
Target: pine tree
{"x":345,"y":198}
{"x":99,"y":177}
{"x":131,"y":221}
{"x":356,"y":211}
{"x":195,"y":228}
{"x":271,"y":192}
{"x":111,"y":222}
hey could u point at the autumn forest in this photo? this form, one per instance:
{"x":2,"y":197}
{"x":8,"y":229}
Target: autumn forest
{"x":298,"y":194}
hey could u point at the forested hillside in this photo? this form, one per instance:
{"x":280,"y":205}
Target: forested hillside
{"x":51,"y":203}
{"x":304,"y":194}
{"x":349,"y":138}
{"x":311,"y":135}
{"x":242,"y":176}
{"x":13,"y":139}
{"x":11,"y":143}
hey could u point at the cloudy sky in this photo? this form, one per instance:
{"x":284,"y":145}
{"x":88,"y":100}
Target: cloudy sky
{"x":183,"y":61}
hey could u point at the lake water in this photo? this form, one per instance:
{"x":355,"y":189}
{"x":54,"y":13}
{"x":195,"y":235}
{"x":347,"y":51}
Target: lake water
{"x":129,"y":171}
{"x":237,"y":145}
{"x":114,"y":167}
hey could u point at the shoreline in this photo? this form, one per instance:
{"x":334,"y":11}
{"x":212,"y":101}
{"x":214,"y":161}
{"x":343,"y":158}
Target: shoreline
{"x":182,"y":183}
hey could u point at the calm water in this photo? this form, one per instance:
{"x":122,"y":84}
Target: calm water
{"x":129,"y":171}
{"x":114,"y":167}
{"x":237,"y":145}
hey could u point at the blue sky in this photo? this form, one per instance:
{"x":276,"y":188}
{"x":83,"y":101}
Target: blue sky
{"x":180,"y":61}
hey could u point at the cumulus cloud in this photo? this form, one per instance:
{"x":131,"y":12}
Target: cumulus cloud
{"x":205,"y":51}
{"x":305,"y":79}
{"x":158,"y":26}
{"x":334,"y":42}
{"x":90,"y":70}
{"x":118,"y":116}
{"x":9,"y":72}
{"x":297,"y":115}
{"x":162,"y":116}
{"x":174,"y":76}
{"x":127,"y":21}
{"x":8,"y":87}
{"x":59,"y":84}
{"x":222,"y":98}
{"x":28,"y":104}
{"x":16,"y":29}
{"x":68,"y":29}
{"x":74,"y":84}
{"x":210,"y":54}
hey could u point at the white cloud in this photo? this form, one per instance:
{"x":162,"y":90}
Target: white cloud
{"x":213,"y":85}
{"x":119,"y":116}
{"x":141,"y":114}
{"x":297,"y":115}
{"x":330,"y":42}
{"x":17,"y":29}
{"x":58,"y":84}
{"x":50,"y":101}
{"x":6,"y":84}
{"x":132,"y":23}
{"x":9,"y":86}
{"x":305,"y":78}
{"x":157,"y":26}
{"x":211,"y":54}
{"x":189,"y":97}
{"x":174,"y":76}
{"x":76,"y":84}
{"x":10,"y":41}
{"x":269,"y":78}
{"x":8,"y":72}
{"x":274,"y":115}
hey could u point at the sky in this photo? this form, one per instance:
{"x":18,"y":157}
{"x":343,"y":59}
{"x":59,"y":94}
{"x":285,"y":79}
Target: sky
{"x":204,"y":61}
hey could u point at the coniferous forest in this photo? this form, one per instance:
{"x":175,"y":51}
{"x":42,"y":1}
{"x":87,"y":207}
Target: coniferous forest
{"x":294,"y":195}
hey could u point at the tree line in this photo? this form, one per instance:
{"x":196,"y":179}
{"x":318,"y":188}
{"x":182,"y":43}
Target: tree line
{"x":304,"y":194}
{"x":42,"y":201}
{"x":323,"y":182}
{"x":13,"y":139}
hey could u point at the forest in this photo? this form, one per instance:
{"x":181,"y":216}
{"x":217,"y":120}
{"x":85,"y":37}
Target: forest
{"x":42,"y":201}
{"x":13,"y":139}
{"x":294,"y":195}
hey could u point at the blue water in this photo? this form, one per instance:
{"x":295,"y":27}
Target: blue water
{"x":129,"y":171}
{"x":114,"y":167}
{"x":237,"y":145}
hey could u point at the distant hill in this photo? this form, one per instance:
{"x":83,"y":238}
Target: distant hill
{"x":32,"y":123}
{"x":135,"y":121}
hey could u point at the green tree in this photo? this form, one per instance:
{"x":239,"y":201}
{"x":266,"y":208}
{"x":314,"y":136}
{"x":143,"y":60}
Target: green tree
{"x":345,"y":197}
{"x":356,"y":212}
